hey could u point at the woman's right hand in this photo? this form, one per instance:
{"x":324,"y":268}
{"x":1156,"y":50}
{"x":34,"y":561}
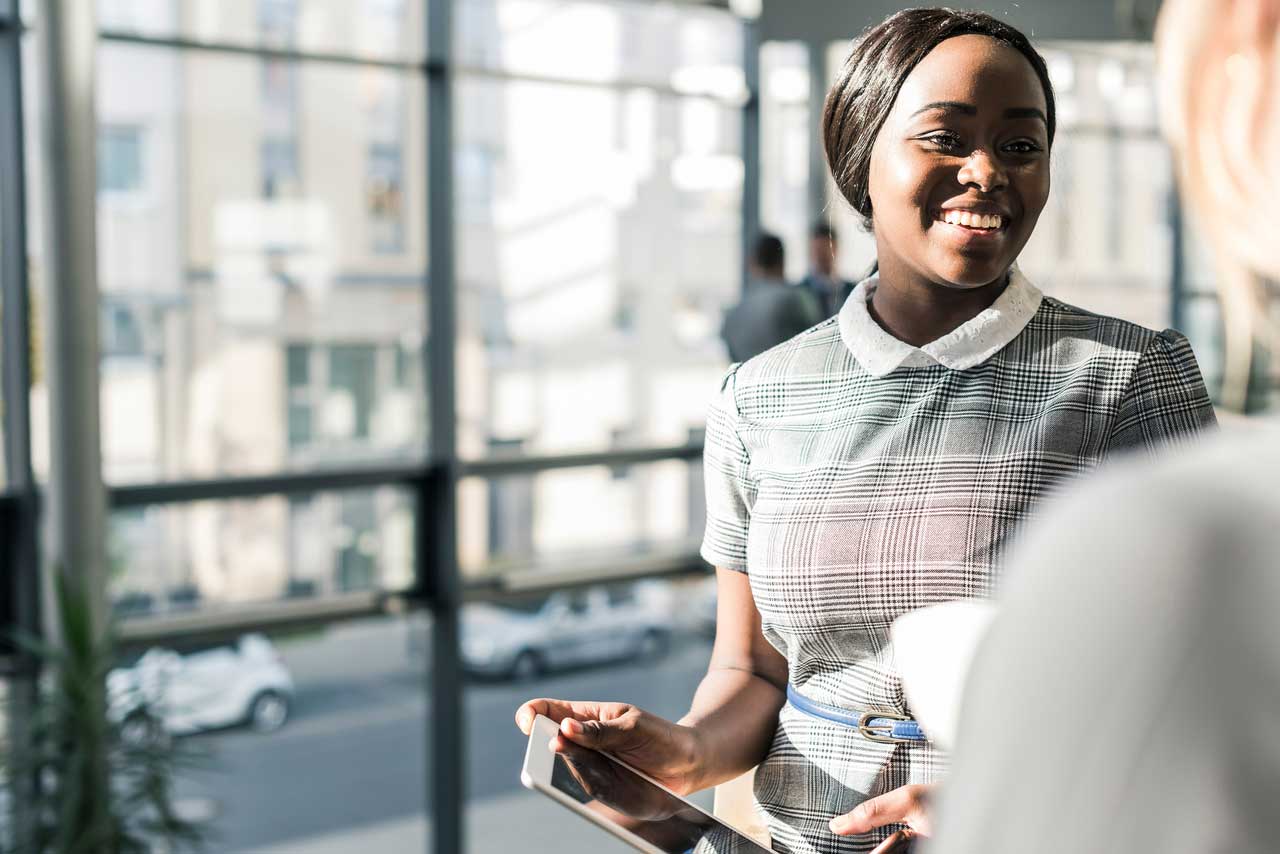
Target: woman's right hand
{"x":667,"y":752}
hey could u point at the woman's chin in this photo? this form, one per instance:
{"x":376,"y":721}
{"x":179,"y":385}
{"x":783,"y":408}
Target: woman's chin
{"x":969,"y":277}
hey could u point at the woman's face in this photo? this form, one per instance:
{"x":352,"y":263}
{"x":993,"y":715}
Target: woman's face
{"x":960,"y":170}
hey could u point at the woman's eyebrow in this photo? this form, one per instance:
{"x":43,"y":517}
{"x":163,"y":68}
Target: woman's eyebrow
{"x":1025,"y":113}
{"x":948,"y":106}
{"x":971,"y":110}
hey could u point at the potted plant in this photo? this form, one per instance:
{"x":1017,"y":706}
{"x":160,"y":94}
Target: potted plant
{"x":91,"y":791}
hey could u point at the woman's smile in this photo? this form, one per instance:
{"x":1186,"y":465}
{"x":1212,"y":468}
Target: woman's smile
{"x":971,"y":225}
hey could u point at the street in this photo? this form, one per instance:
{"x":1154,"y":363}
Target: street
{"x":354,"y":752}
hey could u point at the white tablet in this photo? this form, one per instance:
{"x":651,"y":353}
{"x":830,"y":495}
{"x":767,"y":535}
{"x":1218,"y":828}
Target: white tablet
{"x":625,"y":802}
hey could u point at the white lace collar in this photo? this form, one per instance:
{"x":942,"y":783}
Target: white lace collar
{"x":968,"y":345}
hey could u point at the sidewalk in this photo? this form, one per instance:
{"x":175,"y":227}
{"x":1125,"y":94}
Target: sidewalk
{"x":521,"y":821}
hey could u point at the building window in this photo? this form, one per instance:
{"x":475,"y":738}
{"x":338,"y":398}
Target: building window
{"x":352,"y":385}
{"x":334,"y":391}
{"x":384,"y":197}
{"x":120,"y":159}
{"x":280,"y":172}
{"x":119,"y":330}
{"x":278,"y":22}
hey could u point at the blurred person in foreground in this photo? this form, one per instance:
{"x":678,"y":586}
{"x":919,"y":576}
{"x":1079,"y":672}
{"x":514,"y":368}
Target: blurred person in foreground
{"x":1130,"y":682}
{"x":770,"y":311}
{"x":884,"y":459}
{"x":827,"y":286}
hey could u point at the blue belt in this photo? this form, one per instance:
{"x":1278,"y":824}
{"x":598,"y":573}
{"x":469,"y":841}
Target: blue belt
{"x":884,"y":727}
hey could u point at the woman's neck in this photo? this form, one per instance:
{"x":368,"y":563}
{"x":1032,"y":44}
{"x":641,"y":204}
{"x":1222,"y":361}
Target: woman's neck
{"x":915,"y":310}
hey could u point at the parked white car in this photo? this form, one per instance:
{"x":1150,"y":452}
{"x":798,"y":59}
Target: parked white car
{"x":566,"y":629}
{"x":247,"y":683}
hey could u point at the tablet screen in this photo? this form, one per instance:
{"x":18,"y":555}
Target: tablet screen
{"x":623,"y":797}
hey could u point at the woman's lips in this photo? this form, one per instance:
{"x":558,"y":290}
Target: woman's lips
{"x":971,"y":226}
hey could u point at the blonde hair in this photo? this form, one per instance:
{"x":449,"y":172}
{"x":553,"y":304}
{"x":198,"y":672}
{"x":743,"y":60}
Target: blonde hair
{"x":1220,"y":107}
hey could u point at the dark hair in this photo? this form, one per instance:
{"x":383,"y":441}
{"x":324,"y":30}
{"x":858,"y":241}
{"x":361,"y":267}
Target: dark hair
{"x":823,"y":229}
{"x":872,"y":76}
{"x":768,"y":252}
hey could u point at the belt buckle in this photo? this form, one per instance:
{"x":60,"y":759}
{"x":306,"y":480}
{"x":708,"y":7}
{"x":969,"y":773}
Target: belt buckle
{"x":873,"y":733}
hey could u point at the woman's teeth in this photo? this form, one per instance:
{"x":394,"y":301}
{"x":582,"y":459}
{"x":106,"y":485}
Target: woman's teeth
{"x":972,"y":220}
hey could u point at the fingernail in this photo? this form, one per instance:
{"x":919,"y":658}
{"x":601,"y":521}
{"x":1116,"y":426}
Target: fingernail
{"x":837,"y":825}
{"x":571,"y":727}
{"x":524,"y":721}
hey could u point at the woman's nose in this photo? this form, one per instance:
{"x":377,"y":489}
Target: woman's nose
{"x":983,"y":171}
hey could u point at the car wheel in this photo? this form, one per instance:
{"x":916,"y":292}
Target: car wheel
{"x":652,"y":645}
{"x":527,"y":665}
{"x":268,"y":711}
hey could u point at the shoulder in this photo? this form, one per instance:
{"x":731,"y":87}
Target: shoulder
{"x":1065,"y":322}
{"x":813,"y":352}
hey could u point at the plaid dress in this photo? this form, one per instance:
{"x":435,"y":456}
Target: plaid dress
{"x":856,"y":478}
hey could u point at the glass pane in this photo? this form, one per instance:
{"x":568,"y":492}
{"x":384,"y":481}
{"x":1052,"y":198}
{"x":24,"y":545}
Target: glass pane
{"x":1104,"y":240}
{"x":576,"y":519}
{"x":598,"y":235}
{"x":1204,"y":331}
{"x":786,"y":129}
{"x":344,"y":770}
{"x":649,"y":647}
{"x":375,"y":29}
{"x":856,"y":247}
{"x":694,"y":51}
{"x":262,"y":264}
{"x":215,"y":555}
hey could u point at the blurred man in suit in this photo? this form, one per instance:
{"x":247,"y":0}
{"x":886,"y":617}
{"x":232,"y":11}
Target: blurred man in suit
{"x":823,"y":282}
{"x":771,"y":311}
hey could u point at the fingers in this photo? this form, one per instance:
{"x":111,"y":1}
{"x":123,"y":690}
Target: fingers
{"x":899,"y":805}
{"x":897,"y":842}
{"x":610,"y":733}
{"x":559,"y":710}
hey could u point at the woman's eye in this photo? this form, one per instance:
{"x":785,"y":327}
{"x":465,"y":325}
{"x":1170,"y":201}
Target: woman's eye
{"x":1022,"y":146}
{"x":945,"y":141}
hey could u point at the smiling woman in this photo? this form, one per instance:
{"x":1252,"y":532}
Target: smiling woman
{"x":883,"y":460}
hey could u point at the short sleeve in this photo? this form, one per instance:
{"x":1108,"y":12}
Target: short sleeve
{"x":1166,"y":399}
{"x":729,"y":492}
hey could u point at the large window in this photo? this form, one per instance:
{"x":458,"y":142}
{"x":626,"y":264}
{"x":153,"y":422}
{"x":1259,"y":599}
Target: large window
{"x":598,"y":199}
{"x":279,"y":509}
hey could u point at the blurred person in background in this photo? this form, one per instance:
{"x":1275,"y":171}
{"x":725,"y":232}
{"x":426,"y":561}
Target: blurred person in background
{"x":826,"y":285}
{"x":1130,"y":683}
{"x":883,"y":460}
{"x":770,"y":311}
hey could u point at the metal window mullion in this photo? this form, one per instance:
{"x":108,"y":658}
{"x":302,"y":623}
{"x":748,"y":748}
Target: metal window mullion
{"x":259,"y":51}
{"x":13,"y":268}
{"x":436,"y":558}
{"x":817,"y":192}
{"x":322,"y":480}
{"x":1177,"y":257}
{"x":20,"y":559}
{"x":750,"y":143}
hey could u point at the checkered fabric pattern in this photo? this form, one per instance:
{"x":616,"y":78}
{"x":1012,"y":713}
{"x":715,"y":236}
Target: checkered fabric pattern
{"x":850,"y":499}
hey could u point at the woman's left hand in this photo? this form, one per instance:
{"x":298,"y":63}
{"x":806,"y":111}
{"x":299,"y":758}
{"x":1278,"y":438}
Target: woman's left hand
{"x":907,"y":805}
